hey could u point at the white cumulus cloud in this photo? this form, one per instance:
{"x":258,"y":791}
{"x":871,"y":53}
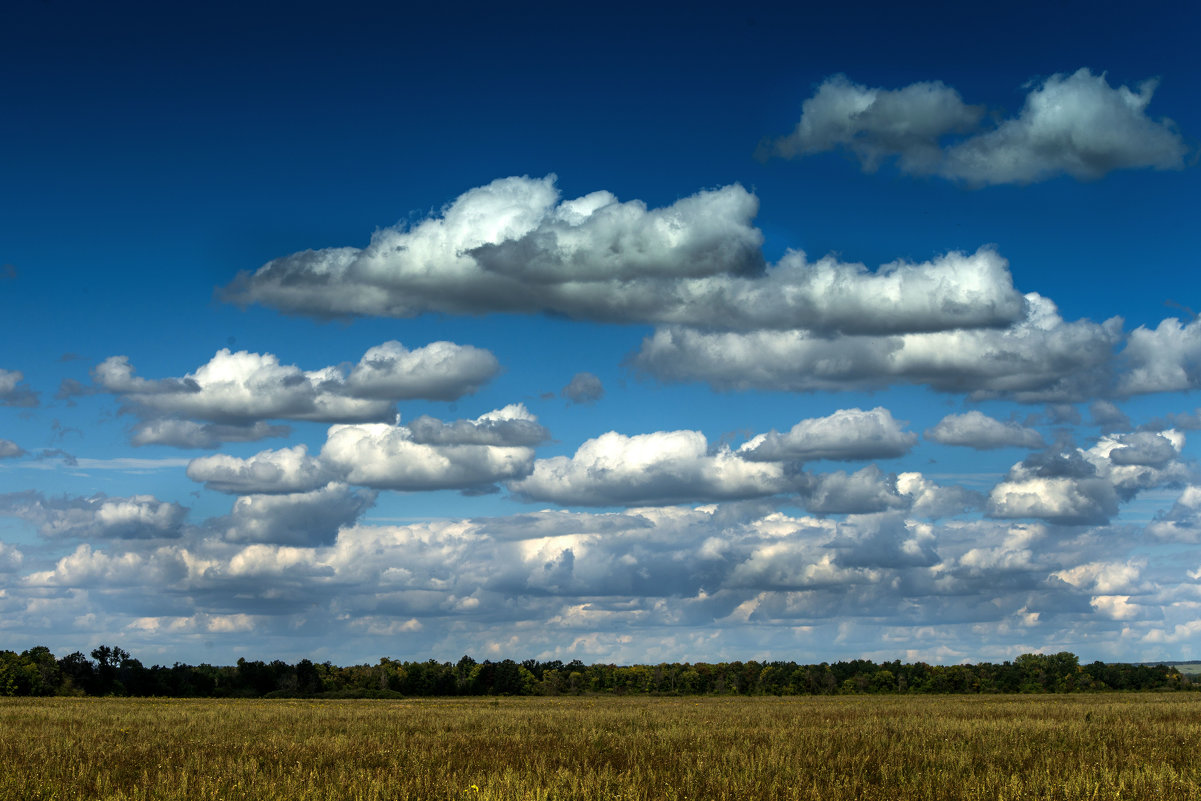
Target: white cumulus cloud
{"x":494,"y":447}
{"x":845,"y":435}
{"x":284,"y":470}
{"x":663,"y":467}
{"x":514,"y":246}
{"x":1042,"y":358}
{"x":235,"y":392}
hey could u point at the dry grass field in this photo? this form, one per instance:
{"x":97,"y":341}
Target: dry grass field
{"x":845,"y":747}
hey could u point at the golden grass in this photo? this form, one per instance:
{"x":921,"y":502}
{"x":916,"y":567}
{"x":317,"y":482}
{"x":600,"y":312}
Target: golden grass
{"x":846,"y":747}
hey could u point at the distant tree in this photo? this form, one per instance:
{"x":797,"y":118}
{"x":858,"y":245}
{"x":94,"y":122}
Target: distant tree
{"x":79,"y":674}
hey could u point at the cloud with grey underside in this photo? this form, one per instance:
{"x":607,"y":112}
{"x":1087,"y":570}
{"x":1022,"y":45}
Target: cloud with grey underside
{"x":1076,"y":125}
{"x":516,"y":246}
{"x":233,"y":395}
{"x":723,"y":315}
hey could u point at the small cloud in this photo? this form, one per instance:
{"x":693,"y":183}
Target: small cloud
{"x":47,"y":454}
{"x":14,"y":392}
{"x":10,"y":449}
{"x":584,"y":388}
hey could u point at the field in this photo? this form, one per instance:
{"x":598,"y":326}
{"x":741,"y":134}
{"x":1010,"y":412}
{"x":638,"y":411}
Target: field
{"x":842,"y":747}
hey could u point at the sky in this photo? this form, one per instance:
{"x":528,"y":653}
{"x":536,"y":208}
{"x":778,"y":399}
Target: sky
{"x":611,"y":333}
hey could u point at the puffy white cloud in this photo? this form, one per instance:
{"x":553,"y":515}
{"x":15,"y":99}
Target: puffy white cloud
{"x":427,"y":454}
{"x":286,"y":470}
{"x":237,"y":391}
{"x":135,"y":517}
{"x":1116,"y":607}
{"x":583,"y":388}
{"x":845,"y":435}
{"x":1145,"y":448}
{"x":792,"y":566}
{"x":1166,"y":359}
{"x":663,"y":467}
{"x":1103,"y":578}
{"x":513,"y":246}
{"x":1070,"y":124}
{"x":13,"y":391}
{"x":1076,"y":485}
{"x":1070,"y":501}
{"x":1140,"y":460}
{"x":10,"y":449}
{"x":1075,"y":124}
{"x":977,"y":430}
{"x":239,"y":388}
{"x":298,"y":518}
{"x":1041,"y":358}
{"x":438,"y":371}
{"x":1086,"y":486}
{"x":493,"y":447}
{"x":86,"y":567}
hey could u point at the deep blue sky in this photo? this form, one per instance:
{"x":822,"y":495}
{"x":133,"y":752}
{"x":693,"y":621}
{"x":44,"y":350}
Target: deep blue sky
{"x":152,"y":153}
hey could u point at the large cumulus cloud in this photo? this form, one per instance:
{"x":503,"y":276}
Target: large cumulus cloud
{"x":515,"y":246}
{"x":1041,"y":358}
{"x":1075,"y":124}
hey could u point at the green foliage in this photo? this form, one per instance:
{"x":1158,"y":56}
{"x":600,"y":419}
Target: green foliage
{"x":116,"y":672}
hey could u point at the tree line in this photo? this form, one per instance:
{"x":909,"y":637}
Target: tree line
{"x":113,"y":671}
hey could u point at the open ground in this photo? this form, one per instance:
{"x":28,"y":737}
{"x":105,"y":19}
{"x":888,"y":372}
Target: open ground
{"x":1096,"y":746}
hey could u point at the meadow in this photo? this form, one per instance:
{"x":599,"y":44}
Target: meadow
{"x":1089,"y":746}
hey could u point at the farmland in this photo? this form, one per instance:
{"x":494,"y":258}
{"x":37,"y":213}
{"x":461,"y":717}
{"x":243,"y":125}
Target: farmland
{"x":1103,"y":746}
